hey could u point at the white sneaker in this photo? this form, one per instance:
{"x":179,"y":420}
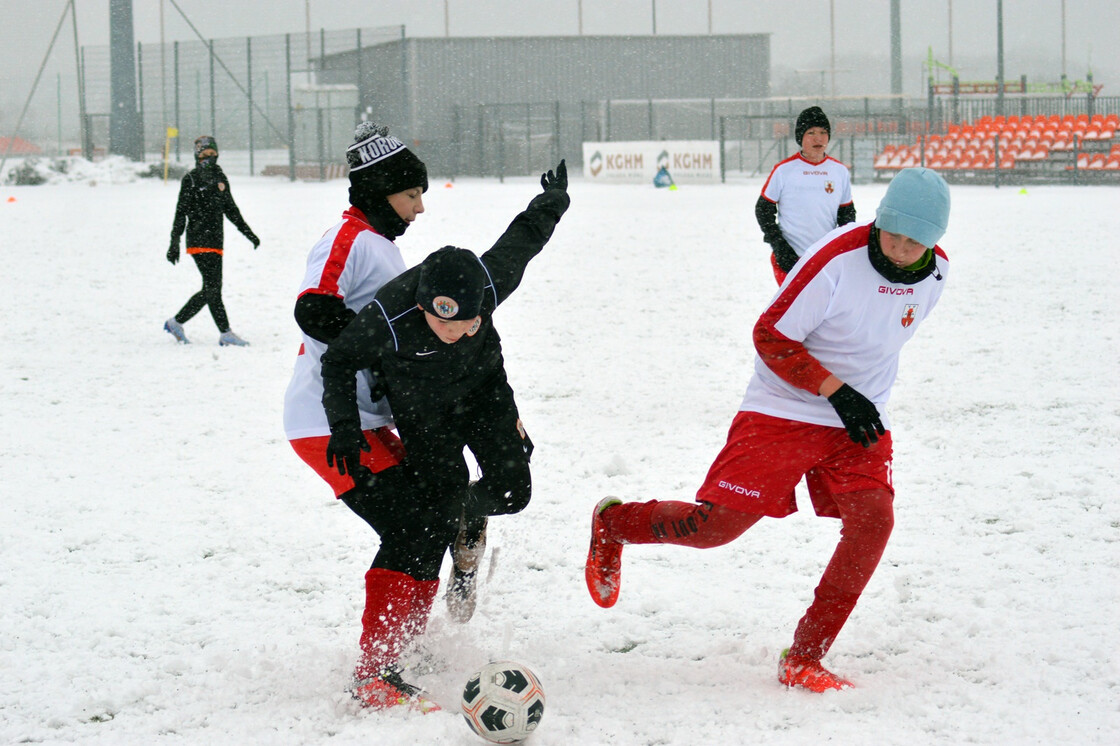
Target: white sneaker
{"x":175,"y":329}
{"x":466,"y":553}
{"x":229,"y":338}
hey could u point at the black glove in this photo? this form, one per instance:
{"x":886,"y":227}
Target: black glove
{"x":559,"y":180}
{"x":345,"y":447}
{"x":173,"y":252}
{"x":858,"y":414}
{"x":253,"y":239}
{"x":784,"y":254}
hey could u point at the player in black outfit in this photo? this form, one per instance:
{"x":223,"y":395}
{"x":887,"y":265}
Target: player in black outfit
{"x":204,"y":199}
{"x":429,"y":341}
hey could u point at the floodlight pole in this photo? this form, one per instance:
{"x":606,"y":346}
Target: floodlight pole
{"x":999,"y":55}
{"x":125,"y":137}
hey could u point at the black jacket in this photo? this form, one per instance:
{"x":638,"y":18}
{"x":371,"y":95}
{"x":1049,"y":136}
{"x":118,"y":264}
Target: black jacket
{"x":422,"y":376}
{"x":204,"y":198}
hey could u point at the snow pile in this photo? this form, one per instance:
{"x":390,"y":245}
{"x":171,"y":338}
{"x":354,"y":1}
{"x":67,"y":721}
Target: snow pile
{"x":114,"y":169}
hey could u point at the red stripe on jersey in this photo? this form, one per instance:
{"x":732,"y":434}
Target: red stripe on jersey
{"x":790,"y":359}
{"x":777,"y":165}
{"x":354,"y":223}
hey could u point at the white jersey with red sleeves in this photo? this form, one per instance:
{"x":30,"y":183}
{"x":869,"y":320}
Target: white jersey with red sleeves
{"x":850,"y":320}
{"x":808,"y":196}
{"x":351,"y":261}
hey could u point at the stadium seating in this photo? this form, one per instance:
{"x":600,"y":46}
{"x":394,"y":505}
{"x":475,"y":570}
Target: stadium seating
{"x":1037,"y":145}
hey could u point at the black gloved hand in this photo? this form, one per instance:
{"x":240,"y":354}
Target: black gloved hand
{"x":558,"y":180}
{"x":345,"y":447}
{"x":784,"y":254}
{"x":858,"y":414}
{"x":173,"y":252}
{"x":253,"y":239}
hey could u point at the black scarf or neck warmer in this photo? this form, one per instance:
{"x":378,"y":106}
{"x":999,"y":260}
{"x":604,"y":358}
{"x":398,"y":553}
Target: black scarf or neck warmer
{"x":378,"y":211}
{"x":892,"y":272}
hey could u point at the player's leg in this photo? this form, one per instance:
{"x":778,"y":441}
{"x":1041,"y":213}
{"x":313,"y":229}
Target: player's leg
{"x":401,"y":587}
{"x":755,"y":455}
{"x":867,"y":519}
{"x":210,"y":265}
{"x":502,"y":449}
{"x":197,"y":301}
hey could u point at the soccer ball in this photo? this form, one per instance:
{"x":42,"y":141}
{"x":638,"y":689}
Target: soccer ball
{"x":503,"y":702}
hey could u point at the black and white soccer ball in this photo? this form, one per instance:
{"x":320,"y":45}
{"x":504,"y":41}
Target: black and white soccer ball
{"x":503,"y":702}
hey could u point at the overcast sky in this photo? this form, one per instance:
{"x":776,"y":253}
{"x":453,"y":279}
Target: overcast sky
{"x":961,"y":32}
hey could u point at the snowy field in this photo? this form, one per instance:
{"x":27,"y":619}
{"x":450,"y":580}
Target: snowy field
{"x":172,"y":573}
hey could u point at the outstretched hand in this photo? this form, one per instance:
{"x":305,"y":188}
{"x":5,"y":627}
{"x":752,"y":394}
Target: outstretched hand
{"x":557,"y":180}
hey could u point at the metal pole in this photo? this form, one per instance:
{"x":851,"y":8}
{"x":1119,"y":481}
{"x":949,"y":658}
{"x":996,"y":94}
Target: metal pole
{"x":896,"y":53}
{"x":1063,"y":39}
{"x":140,"y":93}
{"x":999,"y":55}
{"x":87,"y":152}
{"x":125,"y":137}
{"x":832,"y":43}
{"x":249,"y":76}
{"x":178,"y":140}
{"x":213,"y":114}
{"x":361,"y":77}
{"x":162,"y":69}
{"x":319,"y":131}
{"x":951,"y":33}
{"x":291,"y":112}
{"x":58,"y":94}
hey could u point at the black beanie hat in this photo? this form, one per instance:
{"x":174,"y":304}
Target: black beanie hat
{"x":204,"y":142}
{"x":381,"y":165}
{"x":814,"y":116}
{"x":452,"y":282}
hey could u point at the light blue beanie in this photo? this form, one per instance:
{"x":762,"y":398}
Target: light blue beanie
{"x":916,"y":205}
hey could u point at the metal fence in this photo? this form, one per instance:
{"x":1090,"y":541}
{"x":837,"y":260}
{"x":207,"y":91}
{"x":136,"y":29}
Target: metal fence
{"x":753,"y":141}
{"x":290,"y":102}
{"x":255,"y":94}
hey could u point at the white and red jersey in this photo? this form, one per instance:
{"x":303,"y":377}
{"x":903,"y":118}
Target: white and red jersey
{"x":808,"y":196}
{"x":836,"y":314}
{"x":351,"y":261}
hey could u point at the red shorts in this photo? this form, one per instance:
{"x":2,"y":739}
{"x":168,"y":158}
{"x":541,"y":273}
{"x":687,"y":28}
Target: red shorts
{"x":385,"y":450}
{"x":765,"y":457}
{"x":779,"y":273}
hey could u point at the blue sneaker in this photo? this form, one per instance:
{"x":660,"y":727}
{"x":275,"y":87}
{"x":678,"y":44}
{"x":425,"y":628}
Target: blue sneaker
{"x":175,"y":329}
{"x":229,"y":338}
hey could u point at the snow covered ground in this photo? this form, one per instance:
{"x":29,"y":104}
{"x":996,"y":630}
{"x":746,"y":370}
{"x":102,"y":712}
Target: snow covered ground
{"x":172,"y":573}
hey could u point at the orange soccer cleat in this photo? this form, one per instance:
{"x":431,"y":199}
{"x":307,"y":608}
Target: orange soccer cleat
{"x":808,"y":674}
{"x":388,"y":689}
{"x":603,"y":571}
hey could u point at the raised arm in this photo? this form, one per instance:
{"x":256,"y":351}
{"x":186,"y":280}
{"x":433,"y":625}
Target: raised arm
{"x":527,"y":234}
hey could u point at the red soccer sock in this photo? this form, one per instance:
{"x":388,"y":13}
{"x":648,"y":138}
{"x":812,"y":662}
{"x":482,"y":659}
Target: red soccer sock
{"x":423,"y":596}
{"x":868,"y":518}
{"x":387,"y":619}
{"x":698,"y":525}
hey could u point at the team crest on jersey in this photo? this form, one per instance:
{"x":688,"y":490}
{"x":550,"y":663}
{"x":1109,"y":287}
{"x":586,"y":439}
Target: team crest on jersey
{"x":445,"y":307}
{"x":908,"y":315}
{"x":829,"y":188}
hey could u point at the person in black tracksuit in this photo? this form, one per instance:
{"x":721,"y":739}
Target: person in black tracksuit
{"x":204,"y":200}
{"x":429,"y":341}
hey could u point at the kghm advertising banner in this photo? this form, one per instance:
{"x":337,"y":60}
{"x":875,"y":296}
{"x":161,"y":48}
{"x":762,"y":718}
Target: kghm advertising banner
{"x":688,"y":161}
